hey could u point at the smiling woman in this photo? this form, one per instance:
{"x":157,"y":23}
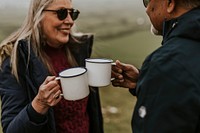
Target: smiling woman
{"x":30,"y":60}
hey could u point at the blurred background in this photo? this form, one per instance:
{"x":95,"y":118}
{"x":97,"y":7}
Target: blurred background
{"x":122,"y":31}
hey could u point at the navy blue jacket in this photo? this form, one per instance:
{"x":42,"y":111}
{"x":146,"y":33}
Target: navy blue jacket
{"x":16,"y":97}
{"x":168,"y":89}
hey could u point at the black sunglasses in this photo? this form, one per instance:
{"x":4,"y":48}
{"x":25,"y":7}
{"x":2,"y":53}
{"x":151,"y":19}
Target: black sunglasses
{"x":63,"y":13}
{"x":146,"y":2}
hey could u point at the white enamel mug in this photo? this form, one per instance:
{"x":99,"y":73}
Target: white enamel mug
{"x":74,"y":83}
{"x":99,"y":71}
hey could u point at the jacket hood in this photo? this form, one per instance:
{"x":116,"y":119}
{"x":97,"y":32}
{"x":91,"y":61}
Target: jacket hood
{"x":187,"y":26}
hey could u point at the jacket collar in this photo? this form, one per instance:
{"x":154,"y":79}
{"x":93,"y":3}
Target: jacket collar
{"x":183,"y":26}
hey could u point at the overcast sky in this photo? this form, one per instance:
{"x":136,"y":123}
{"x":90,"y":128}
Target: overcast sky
{"x":20,"y":3}
{"x":80,"y":3}
{"x":131,"y":7}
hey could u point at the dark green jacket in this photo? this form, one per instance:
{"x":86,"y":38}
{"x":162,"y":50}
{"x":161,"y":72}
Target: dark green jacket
{"x":168,"y":89}
{"x":17,"y":97}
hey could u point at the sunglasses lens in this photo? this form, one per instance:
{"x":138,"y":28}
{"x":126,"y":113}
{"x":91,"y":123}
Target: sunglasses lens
{"x":62,"y":14}
{"x":74,"y":14}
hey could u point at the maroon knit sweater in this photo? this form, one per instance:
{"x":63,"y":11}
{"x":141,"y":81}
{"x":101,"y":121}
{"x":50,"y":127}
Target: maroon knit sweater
{"x":70,"y":116}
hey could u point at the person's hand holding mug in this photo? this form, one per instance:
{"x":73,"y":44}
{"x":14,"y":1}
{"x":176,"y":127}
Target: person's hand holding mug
{"x":48,"y":95}
{"x":125,"y":75}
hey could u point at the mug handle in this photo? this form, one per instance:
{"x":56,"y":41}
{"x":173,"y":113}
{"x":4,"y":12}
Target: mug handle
{"x":58,"y":78}
{"x":113,"y":64}
{"x":112,"y":79}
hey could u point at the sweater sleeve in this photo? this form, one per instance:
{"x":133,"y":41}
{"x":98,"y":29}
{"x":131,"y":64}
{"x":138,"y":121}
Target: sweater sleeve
{"x":35,"y":116}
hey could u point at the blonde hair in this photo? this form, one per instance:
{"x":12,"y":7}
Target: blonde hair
{"x":31,"y":31}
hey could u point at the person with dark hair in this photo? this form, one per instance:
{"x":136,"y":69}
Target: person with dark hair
{"x":168,"y":84}
{"x":30,"y":60}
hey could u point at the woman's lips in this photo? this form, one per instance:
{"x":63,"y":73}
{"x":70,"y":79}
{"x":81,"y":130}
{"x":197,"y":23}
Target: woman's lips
{"x":65,"y":30}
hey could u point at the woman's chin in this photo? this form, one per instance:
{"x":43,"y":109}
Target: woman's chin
{"x":64,"y":40}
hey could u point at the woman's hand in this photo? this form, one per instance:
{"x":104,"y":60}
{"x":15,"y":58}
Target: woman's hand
{"x":48,"y":95}
{"x":125,"y":75}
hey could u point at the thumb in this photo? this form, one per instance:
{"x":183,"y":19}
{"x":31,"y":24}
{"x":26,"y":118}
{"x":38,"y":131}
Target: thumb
{"x":126,"y":67}
{"x":121,"y":65}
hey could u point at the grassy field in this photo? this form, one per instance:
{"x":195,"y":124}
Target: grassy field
{"x":118,"y":103}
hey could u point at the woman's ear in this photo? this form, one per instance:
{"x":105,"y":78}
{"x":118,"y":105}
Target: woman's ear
{"x":170,"y":6}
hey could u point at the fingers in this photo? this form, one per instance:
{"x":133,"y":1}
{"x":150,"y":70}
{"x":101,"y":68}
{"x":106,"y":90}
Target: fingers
{"x":57,"y":94}
{"x":48,"y":91}
{"x":48,"y":79}
{"x":54,"y":92}
{"x":48,"y":95}
{"x":117,"y":71}
{"x":120,"y":65}
{"x":54,"y":98}
{"x":42,"y":104}
{"x":126,"y":67}
{"x":116,"y":75}
{"x":125,"y":75}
